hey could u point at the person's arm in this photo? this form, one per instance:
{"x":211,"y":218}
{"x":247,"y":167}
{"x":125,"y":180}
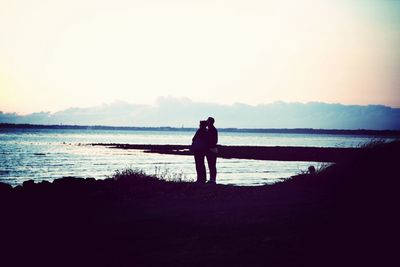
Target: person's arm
{"x":213,"y":138}
{"x":195,"y":135}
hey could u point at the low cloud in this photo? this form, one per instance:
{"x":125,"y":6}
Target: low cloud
{"x":178,"y":112}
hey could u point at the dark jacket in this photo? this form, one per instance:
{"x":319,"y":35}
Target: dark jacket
{"x":200,"y":141}
{"x":212,"y":137}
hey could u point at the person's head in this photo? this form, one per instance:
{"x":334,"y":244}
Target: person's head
{"x":210,"y":121}
{"x":203,"y":124}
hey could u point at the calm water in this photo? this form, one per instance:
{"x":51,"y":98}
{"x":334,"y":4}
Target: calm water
{"x":47,"y":154}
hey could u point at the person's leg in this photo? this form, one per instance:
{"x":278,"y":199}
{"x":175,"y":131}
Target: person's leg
{"x":212,"y":166}
{"x":200,"y":168}
{"x":203,"y":169}
{"x":197,"y":160}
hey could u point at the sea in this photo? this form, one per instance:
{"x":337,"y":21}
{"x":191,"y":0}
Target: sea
{"x":48,"y":154}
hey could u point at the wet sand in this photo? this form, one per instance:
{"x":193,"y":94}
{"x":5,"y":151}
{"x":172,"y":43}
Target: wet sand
{"x":316,"y":154}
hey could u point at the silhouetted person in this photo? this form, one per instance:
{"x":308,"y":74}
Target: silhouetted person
{"x":212,"y":151}
{"x":199,"y":148}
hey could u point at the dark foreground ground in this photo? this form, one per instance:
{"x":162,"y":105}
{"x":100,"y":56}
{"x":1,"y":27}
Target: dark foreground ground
{"x":344,"y":216}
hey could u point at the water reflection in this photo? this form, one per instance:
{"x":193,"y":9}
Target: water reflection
{"x":49,"y":154}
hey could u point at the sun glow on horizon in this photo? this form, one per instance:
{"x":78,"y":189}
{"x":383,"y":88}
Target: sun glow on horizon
{"x":60,"y":54}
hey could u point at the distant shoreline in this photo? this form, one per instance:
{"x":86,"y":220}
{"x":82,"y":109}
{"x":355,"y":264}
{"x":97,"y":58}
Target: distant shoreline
{"x":378,"y":133}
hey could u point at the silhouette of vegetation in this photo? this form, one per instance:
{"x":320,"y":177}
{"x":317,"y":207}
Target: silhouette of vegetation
{"x":160,"y":175}
{"x":374,"y":143}
{"x":133,"y":174}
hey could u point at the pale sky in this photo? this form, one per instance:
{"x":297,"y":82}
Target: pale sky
{"x":58,"y":54}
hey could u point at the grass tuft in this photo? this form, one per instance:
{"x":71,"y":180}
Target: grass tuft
{"x":166,"y":175}
{"x":160,"y":174}
{"x":132,"y":173}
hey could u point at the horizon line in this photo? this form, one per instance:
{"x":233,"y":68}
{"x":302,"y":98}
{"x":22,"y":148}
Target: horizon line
{"x":225,"y":129}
